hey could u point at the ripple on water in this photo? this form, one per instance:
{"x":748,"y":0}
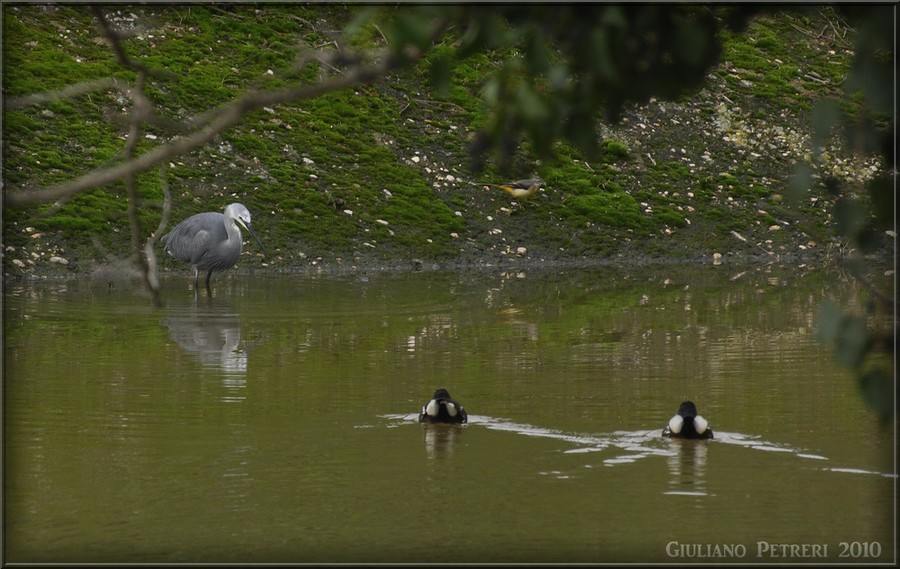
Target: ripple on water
{"x":638,"y":444}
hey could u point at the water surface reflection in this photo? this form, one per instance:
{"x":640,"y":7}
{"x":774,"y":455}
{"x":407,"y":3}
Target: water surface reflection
{"x":124,"y":443}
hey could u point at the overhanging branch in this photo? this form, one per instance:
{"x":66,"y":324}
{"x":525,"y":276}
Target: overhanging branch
{"x":223,"y":118}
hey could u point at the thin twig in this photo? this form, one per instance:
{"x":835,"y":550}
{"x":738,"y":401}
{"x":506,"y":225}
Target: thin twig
{"x":115,"y":42}
{"x":66,"y":93}
{"x":221,"y":119}
{"x":134,"y":133}
{"x":150,"y":245}
{"x":384,"y":37}
{"x":435,"y":103}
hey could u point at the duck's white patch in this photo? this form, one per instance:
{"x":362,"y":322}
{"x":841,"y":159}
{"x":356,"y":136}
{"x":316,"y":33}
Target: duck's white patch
{"x":675,"y":424}
{"x":451,"y":408}
{"x":432,"y":408}
{"x":700,"y":424}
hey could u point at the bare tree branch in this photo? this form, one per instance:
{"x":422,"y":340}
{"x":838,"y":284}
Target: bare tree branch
{"x":150,"y":245}
{"x":114,"y":38}
{"x":223,"y":118}
{"x":134,"y":133}
{"x":141,"y":110}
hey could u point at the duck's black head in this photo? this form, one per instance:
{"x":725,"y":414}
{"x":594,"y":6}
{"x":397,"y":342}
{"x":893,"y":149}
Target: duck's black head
{"x":687,"y":409}
{"x":688,"y":424}
{"x":442,"y":409}
{"x":441,"y":394}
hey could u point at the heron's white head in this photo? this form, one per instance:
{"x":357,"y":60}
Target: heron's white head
{"x":241,"y":216}
{"x":239,"y":213}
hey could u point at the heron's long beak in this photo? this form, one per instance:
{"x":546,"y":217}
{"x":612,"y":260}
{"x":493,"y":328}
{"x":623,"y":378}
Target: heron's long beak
{"x":253,"y":233}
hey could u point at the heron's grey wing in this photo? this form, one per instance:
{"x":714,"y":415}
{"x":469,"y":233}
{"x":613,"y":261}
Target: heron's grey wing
{"x":191,"y":239}
{"x":200,"y":245}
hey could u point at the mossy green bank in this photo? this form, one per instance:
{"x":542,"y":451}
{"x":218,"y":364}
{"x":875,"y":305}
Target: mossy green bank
{"x":380,"y":173}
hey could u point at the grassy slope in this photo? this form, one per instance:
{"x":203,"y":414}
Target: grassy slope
{"x":378,"y":174}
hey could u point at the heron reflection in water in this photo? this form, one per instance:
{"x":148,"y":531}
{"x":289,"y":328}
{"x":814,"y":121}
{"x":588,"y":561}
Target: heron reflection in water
{"x":214,"y":339}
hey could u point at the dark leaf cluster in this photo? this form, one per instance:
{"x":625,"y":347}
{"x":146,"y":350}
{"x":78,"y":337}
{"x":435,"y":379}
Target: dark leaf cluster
{"x":575,"y":64}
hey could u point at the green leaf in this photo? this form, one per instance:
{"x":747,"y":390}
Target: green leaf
{"x":831,"y":317}
{"x":538,"y":56}
{"x":490,"y":94}
{"x":614,"y":17}
{"x":853,"y":343}
{"x":601,"y":56}
{"x":854,"y":266}
{"x":409,"y":28}
{"x":691,"y":44}
{"x":878,"y":392}
{"x":530,"y":104}
{"x":439,"y":75}
{"x":881,"y":191}
{"x":360,"y":19}
{"x":581,"y":130}
{"x":825,"y":115}
{"x":800,"y":182}
{"x":850,"y":217}
{"x":475,"y":37}
{"x":558,"y":77}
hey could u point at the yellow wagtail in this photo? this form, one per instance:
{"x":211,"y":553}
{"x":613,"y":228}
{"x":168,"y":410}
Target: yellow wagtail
{"x":521,"y":188}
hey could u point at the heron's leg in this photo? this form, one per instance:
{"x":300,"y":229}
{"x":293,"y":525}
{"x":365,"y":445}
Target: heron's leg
{"x":196,"y":278}
{"x":208,"y":275}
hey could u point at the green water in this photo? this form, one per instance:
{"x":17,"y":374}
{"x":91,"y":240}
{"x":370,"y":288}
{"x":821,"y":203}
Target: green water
{"x":276,"y":421}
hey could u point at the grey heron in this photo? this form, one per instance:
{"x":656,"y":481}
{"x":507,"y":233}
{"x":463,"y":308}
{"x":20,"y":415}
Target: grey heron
{"x":210,"y":241}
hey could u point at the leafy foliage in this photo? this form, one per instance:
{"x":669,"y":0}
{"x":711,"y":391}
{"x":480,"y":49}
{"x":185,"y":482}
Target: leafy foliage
{"x":574,"y":63}
{"x":865,"y":117}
